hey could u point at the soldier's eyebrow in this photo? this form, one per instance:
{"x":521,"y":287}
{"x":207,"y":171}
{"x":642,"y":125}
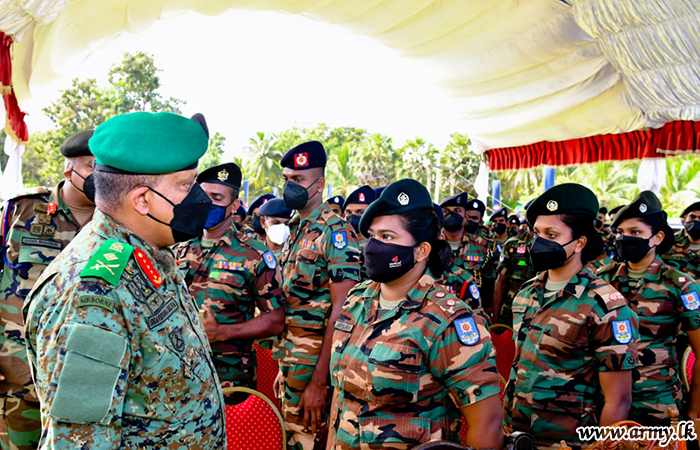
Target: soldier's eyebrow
{"x":382,"y":231}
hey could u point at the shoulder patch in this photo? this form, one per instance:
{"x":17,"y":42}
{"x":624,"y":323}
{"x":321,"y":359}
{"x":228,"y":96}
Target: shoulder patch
{"x":474,"y":289}
{"x":691,"y":300}
{"x":340,"y":239}
{"x":467,"y":330}
{"x":270,"y":260}
{"x":622,"y":330}
{"x":109,"y":261}
{"x":96,"y":300}
{"x":610,"y":297}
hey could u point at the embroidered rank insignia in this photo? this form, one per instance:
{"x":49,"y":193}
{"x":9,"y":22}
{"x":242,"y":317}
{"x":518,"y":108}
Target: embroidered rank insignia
{"x":109,"y":270}
{"x":228,"y":265}
{"x":451,"y":302}
{"x":301,"y":160}
{"x":36,"y":230}
{"x":622,"y":331}
{"x":681,"y":279}
{"x":467,"y":331}
{"x":340,"y":240}
{"x":270,"y":260}
{"x":40,"y":207}
{"x":440,"y":294}
{"x":521,"y":250}
{"x":52,"y":208}
{"x":691,"y":301}
{"x":476,"y":295}
{"x":148,"y":269}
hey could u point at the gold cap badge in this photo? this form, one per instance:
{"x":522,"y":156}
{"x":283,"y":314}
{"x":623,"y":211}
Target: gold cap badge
{"x":223,"y":175}
{"x":552,"y":205}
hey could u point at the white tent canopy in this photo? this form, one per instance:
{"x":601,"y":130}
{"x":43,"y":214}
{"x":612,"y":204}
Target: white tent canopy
{"x":524,"y":71}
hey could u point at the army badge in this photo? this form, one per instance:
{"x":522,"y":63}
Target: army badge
{"x":467,"y":331}
{"x":475,"y":291}
{"x":691,"y":301}
{"x":362,"y":197}
{"x":552,"y":205}
{"x":222,"y":175}
{"x":301,"y":160}
{"x":403,"y":199}
{"x":270,"y":260}
{"x":681,"y":279}
{"x":51,"y":208}
{"x":643,"y":208}
{"x":622,"y":331}
{"x":340,"y":240}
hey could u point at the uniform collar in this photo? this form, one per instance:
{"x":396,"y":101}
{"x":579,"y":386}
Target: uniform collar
{"x":313,"y":217}
{"x":652,"y":274}
{"x":575,"y":287}
{"x":56,"y":198}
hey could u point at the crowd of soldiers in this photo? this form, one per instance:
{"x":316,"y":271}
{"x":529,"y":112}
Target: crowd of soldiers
{"x":133,"y":292}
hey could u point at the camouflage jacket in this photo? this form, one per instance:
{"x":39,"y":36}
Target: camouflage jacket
{"x":233,"y":277}
{"x":666,"y":299}
{"x":562,"y":343}
{"x":36,"y":226}
{"x":515,"y":265}
{"x":400,"y":379}
{"x":117,"y":349}
{"x":682,"y":257}
{"x":322,"y":249}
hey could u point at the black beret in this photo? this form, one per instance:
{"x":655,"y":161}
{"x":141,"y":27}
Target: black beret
{"x":514,"y":220}
{"x":646,"y":204}
{"x":440,"y":215}
{"x":228,"y":174}
{"x":308,"y":155}
{"x":694,"y":207}
{"x":363,"y":195}
{"x":378,"y":190}
{"x":603,"y":210}
{"x":615,"y":210}
{"x":336,"y":200}
{"x":476,"y":205}
{"x":456,"y":200}
{"x":399,"y":197}
{"x":241,"y":212}
{"x":503,"y":212}
{"x":275,"y":208}
{"x":567,"y":198}
{"x":77,"y":145}
{"x":258,"y":202}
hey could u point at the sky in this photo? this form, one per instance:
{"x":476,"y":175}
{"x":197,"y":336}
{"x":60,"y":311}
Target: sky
{"x":250,"y":71}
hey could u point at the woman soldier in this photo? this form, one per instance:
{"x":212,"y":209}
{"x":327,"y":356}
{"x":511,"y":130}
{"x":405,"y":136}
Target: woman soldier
{"x":664,"y":299}
{"x":574,"y":333}
{"x":408,"y":356}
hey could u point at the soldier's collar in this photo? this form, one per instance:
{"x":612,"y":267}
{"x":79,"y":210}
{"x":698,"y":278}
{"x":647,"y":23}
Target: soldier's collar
{"x":56,"y":198}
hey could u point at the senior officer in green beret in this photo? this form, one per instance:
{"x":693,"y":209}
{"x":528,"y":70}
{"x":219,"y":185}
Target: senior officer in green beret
{"x":321,"y":264}
{"x":274,"y":217}
{"x":574,"y":333}
{"x":229,"y":274}
{"x":118,"y":352}
{"x":36,"y":226}
{"x":685,"y":253}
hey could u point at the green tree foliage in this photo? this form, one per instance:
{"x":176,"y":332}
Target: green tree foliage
{"x":214,"y":152}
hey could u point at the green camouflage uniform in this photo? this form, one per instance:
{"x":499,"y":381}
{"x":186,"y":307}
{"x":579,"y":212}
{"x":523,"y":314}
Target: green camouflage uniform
{"x":118,"y":351}
{"x":322,"y":249}
{"x":34,"y":235}
{"x":399,"y":379}
{"x":232,"y":278}
{"x":472,"y":269}
{"x":516,"y":266}
{"x":561,"y":345}
{"x":665,"y":300}
{"x":681,"y":257}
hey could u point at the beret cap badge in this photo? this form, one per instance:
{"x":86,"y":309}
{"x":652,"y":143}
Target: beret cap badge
{"x":403,"y":199}
{"x":222,"y":175}
{"x":643,"y":208}
{"x":301,"y":160}
{"x":552,"y":205}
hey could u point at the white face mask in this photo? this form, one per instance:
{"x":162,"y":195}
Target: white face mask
{"x":278,"y":234}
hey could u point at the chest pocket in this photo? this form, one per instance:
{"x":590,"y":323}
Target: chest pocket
{"x":657,"y":315}
{"x":564,"y":335}
{"x":306,"y":274}
{"x":394,"y":372}
{"x":228,"y":281}
{"x":37,"y":255}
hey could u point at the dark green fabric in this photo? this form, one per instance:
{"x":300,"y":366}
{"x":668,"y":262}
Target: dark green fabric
{"x":567,"y":198}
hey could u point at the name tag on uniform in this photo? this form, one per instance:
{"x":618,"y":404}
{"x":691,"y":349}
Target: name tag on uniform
{"x":519,"y":308}
{"x":36,"y":242}
{"x":343,"y":326}
{"x":521,"y":250}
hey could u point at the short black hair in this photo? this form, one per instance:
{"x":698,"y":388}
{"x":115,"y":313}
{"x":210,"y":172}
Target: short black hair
{"x":111,"y":188}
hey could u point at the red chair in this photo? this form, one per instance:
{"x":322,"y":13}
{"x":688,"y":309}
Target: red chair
{"x":502,"y":338}
{"x":267,"y":372}
{"x":254,"y":424}
{"x":687,"y":367}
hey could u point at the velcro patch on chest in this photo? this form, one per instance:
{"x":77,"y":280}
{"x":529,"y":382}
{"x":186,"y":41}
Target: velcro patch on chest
{"x":622,"y":330}
{"x":691,"y":301}
{"x":343,"y":326}
{"x":467,"y":331}
{"x":519,"y":309}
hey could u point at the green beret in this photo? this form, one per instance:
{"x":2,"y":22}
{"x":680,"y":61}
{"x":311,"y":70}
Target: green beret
{"x":567,"y":198}
{"x":77,"y":145}
{"x":228,"y":174}
{"x":148,"y":143}
{"x":646,"y":204}
{"x":399,"y":197}
{"x":694,"y":207}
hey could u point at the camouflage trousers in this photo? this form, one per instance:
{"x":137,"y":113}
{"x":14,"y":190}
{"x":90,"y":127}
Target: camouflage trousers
{"x":20,"y":424}
{"x":235,"y":371}
{"x":294,"y":379}
{"x":653,"y":412}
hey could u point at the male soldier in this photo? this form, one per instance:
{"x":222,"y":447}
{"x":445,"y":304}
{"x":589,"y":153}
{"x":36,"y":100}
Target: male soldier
{"x":274,"y":217}
{"x":118,"y":352}
{"x":513,"y":225}
{"x":253,"y":220}
{"x":321,"y":264}
{"x":239,"y":217}
{"x":499,"y":228}
{"x":229,"y":274}
{"x":460,"y":278}
{"x":36,"y":227}
{"x":685,"y":254}
{"x":353,"y":209}
{"x":335,"y":203}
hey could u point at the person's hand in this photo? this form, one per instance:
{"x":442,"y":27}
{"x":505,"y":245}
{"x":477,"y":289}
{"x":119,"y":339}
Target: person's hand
{"x":211,"y":326}
{"x":313,"y":405}
{"x":276,"y":386}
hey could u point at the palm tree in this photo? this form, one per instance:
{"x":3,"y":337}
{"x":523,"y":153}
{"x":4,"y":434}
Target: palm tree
{"x":682,"y":185}
{"x":374,"y":160}
{"x":341,"y":173}
{"x":264,"y":162}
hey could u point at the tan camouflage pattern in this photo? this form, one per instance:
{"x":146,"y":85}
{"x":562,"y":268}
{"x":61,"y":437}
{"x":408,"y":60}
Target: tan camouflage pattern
{"x":662,"y":312}
{"x":165,"y":392}
{"x":400,"y":380}
{"x":681,"y":257}
{"x":562,"y":344}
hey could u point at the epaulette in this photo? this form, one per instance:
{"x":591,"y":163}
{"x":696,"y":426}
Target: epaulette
{"x":109,"y":261}
{"x":359,"y":288}
{"x":679,"y":278}
{"x":607,"y":294}
{"x":607,"y":267}
{"x":447,"y":302}
{"x":268,"y":255}
{"x":31,"y":192}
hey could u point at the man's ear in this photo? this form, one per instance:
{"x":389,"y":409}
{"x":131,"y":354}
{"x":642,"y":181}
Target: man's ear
{"x":235,"y":205}
{"x":139,"y":200}
{"x":67,"y":172}
{"x":263,"y":222}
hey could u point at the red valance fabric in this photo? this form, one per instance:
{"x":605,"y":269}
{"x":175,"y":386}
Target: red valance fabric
{"x":672,"y":138}
{"x":15,"y":125}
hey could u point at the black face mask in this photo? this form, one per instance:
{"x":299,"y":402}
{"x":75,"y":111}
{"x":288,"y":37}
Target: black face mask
{"x":295,"y":195}
{"x":471,"y":226}
{"x":499,"y":228}
{"x":257,"y":226}
{"x":693,"y":229}
{"x":88,"y":186}
{"x":453,"y":222}
{"x":354,"y":220}
{"x":632,"y":249}
{"x":546,"y":254}
{"x":387,"y":262}
{"x":598,"y":224}
{"x":513,"y":232}
{"x":189,"y":216}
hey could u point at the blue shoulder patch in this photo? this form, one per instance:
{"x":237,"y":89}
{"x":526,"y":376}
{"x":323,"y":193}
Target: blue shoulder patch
{"x":340,"y":239}
{"x":270,"y":260}
{"x":691,"y":300}
{"x":622,"y":329}
{"x":474,"y":289}
{"x":467,"y":331}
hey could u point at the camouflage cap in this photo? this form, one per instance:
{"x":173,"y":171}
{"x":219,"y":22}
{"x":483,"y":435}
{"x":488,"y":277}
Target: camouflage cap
{"x":399,"y":197}
{"x":567,"y":198}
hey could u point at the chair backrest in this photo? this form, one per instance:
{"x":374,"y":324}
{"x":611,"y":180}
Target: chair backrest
{"x":267,"y":372}
{"x":687,"y":367}
{"x":254,"y":424}
{"x":502,"y":338}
